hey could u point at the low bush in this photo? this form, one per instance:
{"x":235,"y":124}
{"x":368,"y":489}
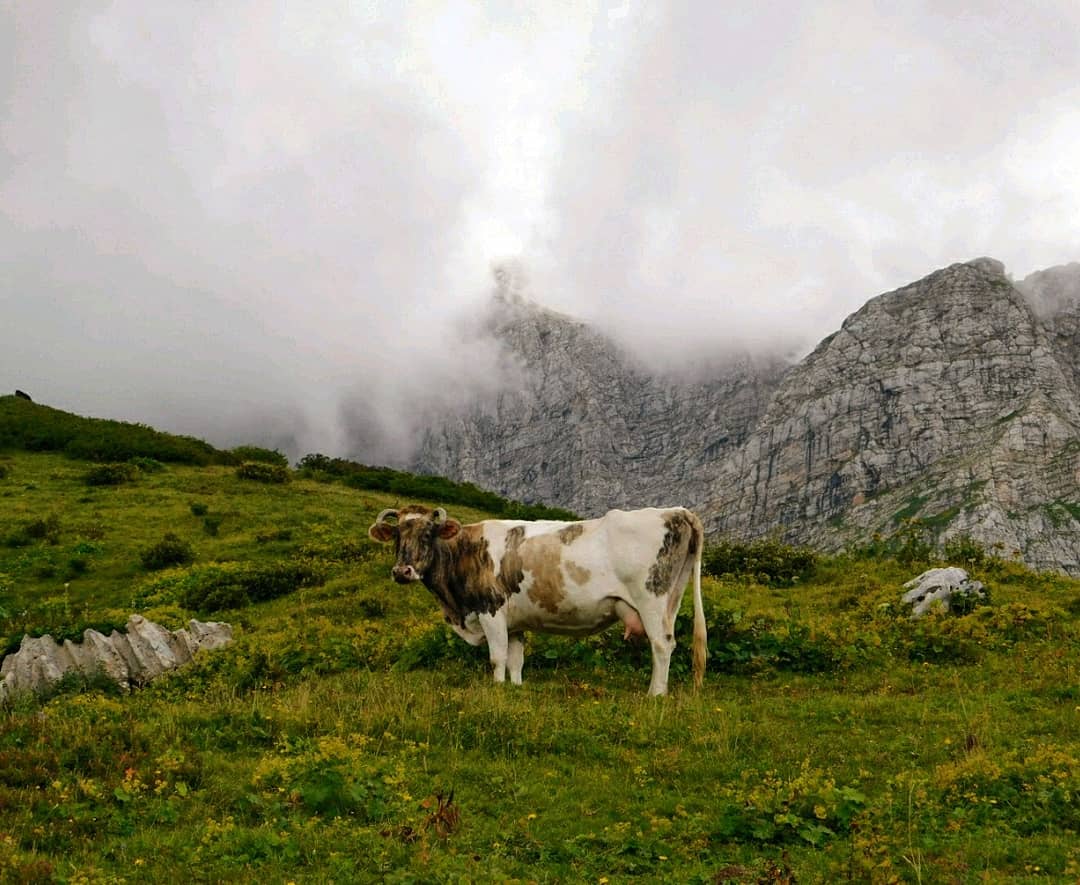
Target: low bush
{"x":233,"y":585}
{"x":147,"y":465}
{"x":260,"y":472}
{"x":46,"y":529}
{"x":198,"y":509}
{"x":111,"y":474}
{"x":259,"y":454}
{"x":766,"y":560}
{"x":268,"y":535}
{"x":169,"y":551}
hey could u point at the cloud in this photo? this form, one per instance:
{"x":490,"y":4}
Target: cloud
{"x":275,"y":221}
{"x":210,"y":231}
{"x":756,"y":175}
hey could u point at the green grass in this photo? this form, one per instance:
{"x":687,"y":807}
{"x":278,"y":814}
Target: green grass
{"x":834,"y":740}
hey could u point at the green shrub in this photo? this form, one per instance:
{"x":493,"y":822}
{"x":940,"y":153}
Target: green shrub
{"x":964,"y":550}
{"x":47,"y":529}
{"x":147,"y":465}
{"x":260,"y":472}
{"x":211,"y":524}
{"x":199,"y":509}
{"x":111,"y":474}
{"x":767,"y":560}
{"x":169,"y":551}
{"x":233,"y":585}
{"x":4,"y":472}
{"x":256,"y":453}
{"x":268,"y":535}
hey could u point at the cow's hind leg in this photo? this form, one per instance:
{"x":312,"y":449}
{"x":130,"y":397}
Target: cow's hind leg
{"x":662,"y":642}
{"x":515,"y":656}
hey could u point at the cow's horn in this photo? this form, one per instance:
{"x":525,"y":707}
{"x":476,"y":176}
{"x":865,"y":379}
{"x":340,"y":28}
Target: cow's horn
{"x":439,"y":516}
{"x":389,"y":511}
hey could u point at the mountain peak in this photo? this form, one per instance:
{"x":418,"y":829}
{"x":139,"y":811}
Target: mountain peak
{"x":990,"y":266}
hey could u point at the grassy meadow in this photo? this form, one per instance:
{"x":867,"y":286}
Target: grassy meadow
{"x":834,"y":739}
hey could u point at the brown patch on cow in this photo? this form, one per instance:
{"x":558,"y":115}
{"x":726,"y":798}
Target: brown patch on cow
{"x":681,"y":538}
{"x":511,"y":572}
{"x":462,"y":576}
{"x":542,"y":559}
{"x":578,"y":574}
{"x":571,"y":533}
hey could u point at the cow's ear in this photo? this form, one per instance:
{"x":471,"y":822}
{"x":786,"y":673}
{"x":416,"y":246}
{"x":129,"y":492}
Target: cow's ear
{"x":449,"y":529}
{"x":382,"y":532}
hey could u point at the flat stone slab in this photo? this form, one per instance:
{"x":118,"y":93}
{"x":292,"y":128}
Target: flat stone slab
{"x":142,"y":653}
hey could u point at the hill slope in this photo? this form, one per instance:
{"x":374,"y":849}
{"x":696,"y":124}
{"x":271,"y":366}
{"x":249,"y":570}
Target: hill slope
{"x":834,"y":739}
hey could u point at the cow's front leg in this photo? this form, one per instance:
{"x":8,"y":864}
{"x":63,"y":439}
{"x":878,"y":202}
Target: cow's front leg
{"x":515,"y":657}
{"x":498,"y":642}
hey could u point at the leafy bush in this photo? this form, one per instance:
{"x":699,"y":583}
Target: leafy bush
{"x":767,"y":560}
{"x":211,"y":524}
{"x":147,"y":465}
{"x":260,"y":472}
{"x":234,"y":585}
{"x":4,"y":471}
{"x":810,"y":807}
{"x":199,"y":509}
{"x":964,"y":550}
{"x":257,"y":453}
{"x":46,"y":529}
{"x":268,"y":535}
{"x":111,"y":474}
{"x":169,"y":551}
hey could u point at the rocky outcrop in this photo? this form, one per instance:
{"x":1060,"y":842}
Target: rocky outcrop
{"x":141,"y":654}
{"x":587,"y":427}
{"x":947,"y":401}
{"x":1054,"y":295}
{"x":950,"y":588}
{"x":954,"y":400}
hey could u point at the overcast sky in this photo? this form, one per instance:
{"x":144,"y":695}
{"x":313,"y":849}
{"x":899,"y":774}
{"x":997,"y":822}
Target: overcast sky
{"x":262,"y":221}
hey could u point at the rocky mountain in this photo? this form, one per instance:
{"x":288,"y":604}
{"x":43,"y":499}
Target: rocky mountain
{"x":948,"y":400}
{"x":586,"y":425}
{"x":954,"y":400}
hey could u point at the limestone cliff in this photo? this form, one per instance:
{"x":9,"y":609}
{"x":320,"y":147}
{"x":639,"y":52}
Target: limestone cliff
{"x":948,"y":400}
{"x":954,"y":400}
{"x":589,"y":429}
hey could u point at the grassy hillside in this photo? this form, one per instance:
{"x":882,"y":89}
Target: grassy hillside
{"x":834,"y":739}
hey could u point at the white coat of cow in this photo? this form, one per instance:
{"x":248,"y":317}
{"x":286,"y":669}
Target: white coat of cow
{"x":498,"y":578}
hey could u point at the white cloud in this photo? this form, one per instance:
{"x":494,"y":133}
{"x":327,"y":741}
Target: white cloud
{"x":240,"y":221}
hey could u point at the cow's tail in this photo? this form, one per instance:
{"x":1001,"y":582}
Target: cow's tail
{"x":700,"y":649}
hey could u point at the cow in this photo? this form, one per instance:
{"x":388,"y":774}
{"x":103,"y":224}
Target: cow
{"x":497,"y":578}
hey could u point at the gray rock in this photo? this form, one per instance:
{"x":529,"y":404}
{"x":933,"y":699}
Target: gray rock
{"x":143,"y":652}
{"x":940,"y":586}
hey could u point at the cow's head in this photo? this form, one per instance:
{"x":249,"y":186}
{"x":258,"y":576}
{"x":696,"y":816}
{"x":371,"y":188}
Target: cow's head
{"x":415,"y":536}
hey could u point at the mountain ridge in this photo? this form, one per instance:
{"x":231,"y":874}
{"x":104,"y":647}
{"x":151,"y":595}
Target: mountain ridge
{"x":952,"y":400}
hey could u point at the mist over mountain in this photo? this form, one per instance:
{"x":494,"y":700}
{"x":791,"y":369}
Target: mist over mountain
{"x":952,"y":400}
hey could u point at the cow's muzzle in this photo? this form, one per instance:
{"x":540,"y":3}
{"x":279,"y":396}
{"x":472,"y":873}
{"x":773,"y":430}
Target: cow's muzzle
{"x":404,"y":574}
